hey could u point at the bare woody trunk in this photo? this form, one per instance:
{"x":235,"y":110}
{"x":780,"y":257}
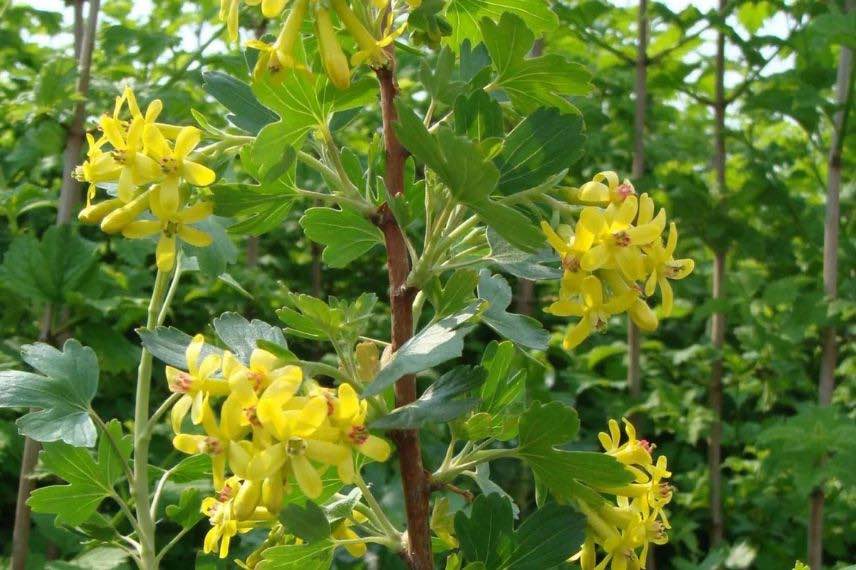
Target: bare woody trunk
{"x":84,"y":40}
{"x":414,"y":478}
{"x":717,"y":329}
{"x":634,"y":372}
{"x":826,"y":383}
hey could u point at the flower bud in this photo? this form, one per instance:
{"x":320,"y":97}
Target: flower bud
{"x":247,"y":498}
{"x":643,"y":316}
{"x":273,"y":493}
{"x":121,"y":217}
{"x":94,"y":213}
{"x":332,"y":56}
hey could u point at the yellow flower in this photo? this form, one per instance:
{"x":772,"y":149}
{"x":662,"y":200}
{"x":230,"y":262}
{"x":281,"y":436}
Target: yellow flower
{"x":572,"y":247}
{"x":263,"y":370}
{"x":307,"y":477}
{"x":663,"y":266}
{"x":95,"y":213}
{"x":349,"y":417}
{"x":120,"y":217}
{"x":593,"y":311}
{"x":170,"y":226}
{"x":605,"y":187}
{"x":196,"y":385}
{"x":371,"y":50}
{"x":280,"y":55}
{"x":135,"y":167}
{"x":225,"y":521}
{"x":632,"y":451}
{"x":174,"y":164}
{"x":617,"y":241}
{"x":343,"y":531}
{"x":332,"y":57}
{"x":229,"y":14}
{"x":257,"y":466}
{"x":625,"y":530}
{"x":99,"y":165}
{"x":215,"y":443}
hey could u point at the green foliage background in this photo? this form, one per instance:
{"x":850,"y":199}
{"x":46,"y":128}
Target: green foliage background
{"x":770,"y":221}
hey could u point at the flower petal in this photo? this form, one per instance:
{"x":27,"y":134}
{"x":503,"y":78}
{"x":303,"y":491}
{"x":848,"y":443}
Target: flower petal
{"x":576,"y":334}
{"x":141,"y":229}
{"x":194,"y":236}
{"x":375,"y":448}
{"x":196,"y":213}
{"x":165,"y":253}
{"x":307,"y":477}
{"x":272,"y":8}
{"x":188,"y":138}
{"x":592,"y":291}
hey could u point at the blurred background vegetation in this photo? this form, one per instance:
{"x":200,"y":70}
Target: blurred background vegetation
{"x":766,"y":222}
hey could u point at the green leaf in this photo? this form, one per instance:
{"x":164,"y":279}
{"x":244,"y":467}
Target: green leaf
{"x":753,"y":14}
{"x":816,"y":444}
{"x":544,"y":143}
{"x":48,"y":270}
{"x":503,"y":385}
{"x":261,"y":207}
{"x":260,"y":211}
{"x":64,"y":393}
{"x":547,"y":538}
{"x":89,"y":482}
{"x":307,"y":522}
{"x":478,"y":116}
{"x":246,"y":111}
{"x":835,"y":27}
{"x":433,"y":345}
{"x":342,"y":506}
{"x":192,"y":468}
{"x":186,"y":513}
{"x":313,"y":556}
{"x":168,"y":344}
{"x":455,"y":295}
{"x":214,"y":259}
{"x":345,"y":234}
{"x":303,"y":102}
{"x":438,"y":404}
{"x":295,"y":99}
{"x":522,"y":329}
{"x":471,"y":177}
{"x":487,"y":534}
{"x":242,"y":336}
{"x":544,"y":81}
{"x":436,"y":76}
{"x":543,"y":265}
{"x":465,"y":16}
{"x":99,"y":558}
{"x":488,"y":487}
{"x":542,"y":427}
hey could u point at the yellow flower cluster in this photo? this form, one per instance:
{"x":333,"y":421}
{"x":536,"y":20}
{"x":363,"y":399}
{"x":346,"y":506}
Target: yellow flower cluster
{"x":147,"y":162}
{"x":272,"y":429}
{"x":625,"y":530}
{"x":613,"y":258}
{"x":281,"y":54}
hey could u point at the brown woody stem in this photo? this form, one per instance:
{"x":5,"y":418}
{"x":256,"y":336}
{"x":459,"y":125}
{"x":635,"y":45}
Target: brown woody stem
{"x":414,"y":481}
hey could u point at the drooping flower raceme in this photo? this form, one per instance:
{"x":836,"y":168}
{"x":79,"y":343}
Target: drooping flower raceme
{"x":371,"y":35}
{"x":621,"y":531}
{"x":148,"y":168}
{"x":613,"y":258}
{"x":266,"y":431}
